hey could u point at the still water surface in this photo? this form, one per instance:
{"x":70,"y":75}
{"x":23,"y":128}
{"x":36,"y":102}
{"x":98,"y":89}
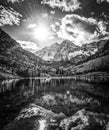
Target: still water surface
{"x":59,"y":95}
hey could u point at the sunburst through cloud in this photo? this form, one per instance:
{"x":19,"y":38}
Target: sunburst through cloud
{"x":41,"y":33}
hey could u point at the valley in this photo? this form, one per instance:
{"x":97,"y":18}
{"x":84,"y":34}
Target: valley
{"x":65,"y":59}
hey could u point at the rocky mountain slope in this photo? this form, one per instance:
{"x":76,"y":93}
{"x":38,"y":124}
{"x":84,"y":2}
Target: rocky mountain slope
{"x":14,"y":60}
{"x":91,"y":68}
{"x":95,"y":67}
{"x":67,"y":51}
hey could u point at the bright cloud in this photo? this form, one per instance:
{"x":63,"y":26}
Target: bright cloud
{"x":55,"y":26}
{"x":65,"y":5}
{"x":31,"y":26}
{"x":45,"y":15}
{"x":9,"y":16}
{"x":51,"y":37}
{"x":52,"y":12}
{"x":13,"y":1}
{"x":81,"y":30}
{"x":28,"y":45}
{"x":57,"y":23}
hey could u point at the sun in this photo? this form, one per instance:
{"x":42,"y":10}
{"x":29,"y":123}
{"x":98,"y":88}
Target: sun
{"x":41,"y":33}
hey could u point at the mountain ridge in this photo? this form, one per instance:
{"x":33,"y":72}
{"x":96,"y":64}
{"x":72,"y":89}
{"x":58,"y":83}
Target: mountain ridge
{"x":14,"y":60}
{"x":66,"y":50}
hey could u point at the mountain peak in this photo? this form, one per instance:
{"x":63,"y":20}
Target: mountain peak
{"x":69,"y":44}
{"x":55,"y":45}
{"x":58,"y":51}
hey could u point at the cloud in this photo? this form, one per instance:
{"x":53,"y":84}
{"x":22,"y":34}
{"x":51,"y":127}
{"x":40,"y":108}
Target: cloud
{"x":51,"y":37}
{"x":52,"y":12}
{"x":100,"y":1}
{"x":46,"y":15}
{"x":57,"y":23}
{"x":81,"y":30}
{"x":65,"y":5}
{"x":9,"y":16}
{"x":55,"y":26}
{"x":28,"y":45}
{"x":13,"y":1}
{"x":31,"y":26}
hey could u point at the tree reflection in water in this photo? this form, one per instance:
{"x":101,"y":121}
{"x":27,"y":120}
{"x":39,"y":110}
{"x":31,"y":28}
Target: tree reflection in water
{"x":58,"y":95}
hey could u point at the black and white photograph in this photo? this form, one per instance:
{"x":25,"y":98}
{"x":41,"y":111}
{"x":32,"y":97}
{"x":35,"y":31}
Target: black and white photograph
{"x":54,"y":64}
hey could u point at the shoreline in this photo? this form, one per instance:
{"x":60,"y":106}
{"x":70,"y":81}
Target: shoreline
{"x":91,"y":77}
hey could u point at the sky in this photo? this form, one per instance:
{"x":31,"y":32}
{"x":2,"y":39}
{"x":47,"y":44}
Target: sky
{"x":39,"y":23}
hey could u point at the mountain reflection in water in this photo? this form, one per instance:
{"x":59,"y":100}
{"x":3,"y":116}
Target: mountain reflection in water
{"x":59,"y":95}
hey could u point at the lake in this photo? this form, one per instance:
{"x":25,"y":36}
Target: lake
{"x":58,"y":95}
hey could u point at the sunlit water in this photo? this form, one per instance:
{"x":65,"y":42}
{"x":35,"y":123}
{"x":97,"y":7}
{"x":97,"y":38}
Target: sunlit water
{"x":58,"y":95}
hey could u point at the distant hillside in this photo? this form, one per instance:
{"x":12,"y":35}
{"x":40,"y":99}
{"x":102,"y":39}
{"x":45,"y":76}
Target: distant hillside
{"x":14,"y":60}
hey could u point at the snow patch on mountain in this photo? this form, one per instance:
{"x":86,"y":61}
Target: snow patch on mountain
{"x":81,"y":52}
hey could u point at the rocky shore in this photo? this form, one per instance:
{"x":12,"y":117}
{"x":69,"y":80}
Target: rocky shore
{"x":37,"y":118}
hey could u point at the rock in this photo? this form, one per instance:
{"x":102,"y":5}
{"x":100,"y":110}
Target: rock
{"x":85,"y":120}
{"x":107,"y":126}
{"x":35,"y":117}
{"x":34,"y":110}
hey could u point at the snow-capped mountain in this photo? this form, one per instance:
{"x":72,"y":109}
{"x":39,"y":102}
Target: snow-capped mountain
{"x":67,"y":51}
